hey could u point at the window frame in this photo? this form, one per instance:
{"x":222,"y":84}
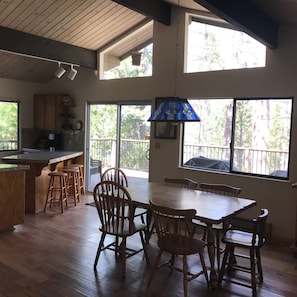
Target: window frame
{"x":232,"y":142}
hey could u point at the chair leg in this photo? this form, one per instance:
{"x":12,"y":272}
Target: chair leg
{"x":224,"y":263}
{"x":259,"y":266}
{"x":116,"y":250}
{"x":99,"y":249}
{"x":142,"y":219}
{"x":204,"y":268}
{"x":185,"y":271}
{"x":253,"y":272}
{"x":155,"y":267}
{"x":231,"y":258}
{"x":172,"y":260}
{"x":49,"y":195}
{"x":204,"y":234}
{"x":144,"y":243}
{"x":218,"y":248}
{"x":123,"y":254}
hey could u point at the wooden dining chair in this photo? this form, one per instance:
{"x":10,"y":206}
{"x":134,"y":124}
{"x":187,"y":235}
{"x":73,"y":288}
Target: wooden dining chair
{"x":221,"y":189}
{"x":251,"y":239}
{"x":116,"y":213}
{"x":175,"y":231}
{"x":181,"y":182}
{"x":118,"y":175}
{"x":174,"y":182}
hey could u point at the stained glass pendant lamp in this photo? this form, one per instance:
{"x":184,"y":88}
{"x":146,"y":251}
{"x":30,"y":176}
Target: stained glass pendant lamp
{"x":174,"y":110}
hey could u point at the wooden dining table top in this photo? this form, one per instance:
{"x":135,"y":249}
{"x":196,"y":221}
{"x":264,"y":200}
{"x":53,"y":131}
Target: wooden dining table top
{"x":210,"y":208}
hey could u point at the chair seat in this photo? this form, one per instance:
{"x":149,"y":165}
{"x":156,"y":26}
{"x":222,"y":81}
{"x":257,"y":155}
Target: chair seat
{"x":137,"y":212}
{"x":123,"y":231}
{"x":214,"y":226}
{"x":140,"y":211}
{"x":181,"y":246}
{"x":240,"y":238}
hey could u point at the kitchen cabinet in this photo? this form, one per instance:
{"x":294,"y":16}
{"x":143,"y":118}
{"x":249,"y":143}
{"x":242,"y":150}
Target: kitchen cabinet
{"x":49,"y":111}
{"x":12,"y":196}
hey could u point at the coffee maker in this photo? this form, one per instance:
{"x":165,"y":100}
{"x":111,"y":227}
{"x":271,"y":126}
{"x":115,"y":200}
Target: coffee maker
{"x":54,"y":141}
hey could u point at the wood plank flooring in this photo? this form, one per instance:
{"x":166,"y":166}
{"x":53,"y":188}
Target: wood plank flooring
{"x":52,"y":254}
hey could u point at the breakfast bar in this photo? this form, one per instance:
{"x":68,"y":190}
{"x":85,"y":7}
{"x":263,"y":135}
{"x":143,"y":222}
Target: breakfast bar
{"x":36,"y":177}
{"x":12,"y":195}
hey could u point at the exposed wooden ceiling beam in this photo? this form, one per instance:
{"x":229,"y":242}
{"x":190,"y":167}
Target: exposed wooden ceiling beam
{"x":47,"y":49}
{"x":156,"y":9}
{"x":246,"y":16}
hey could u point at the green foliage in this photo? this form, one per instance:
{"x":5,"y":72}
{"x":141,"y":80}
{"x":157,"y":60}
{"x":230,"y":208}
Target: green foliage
{"x":260,"y":136}
{"x":103,"y":120}
{"x":133,"y":129}
{"x":243,"y":131}
{"x":126,"y":69}
{"x":8,"y":125}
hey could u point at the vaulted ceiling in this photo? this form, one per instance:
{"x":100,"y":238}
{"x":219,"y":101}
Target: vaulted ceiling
{"x":72,"y":31}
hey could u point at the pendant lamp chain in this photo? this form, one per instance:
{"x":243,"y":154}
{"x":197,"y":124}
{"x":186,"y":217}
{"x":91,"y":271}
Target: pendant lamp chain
{"x":176,"y":48}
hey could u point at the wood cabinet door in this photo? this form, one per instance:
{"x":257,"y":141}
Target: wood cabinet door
{"x":39,"y":111}
{"x":12,"y":199}
{"x":50,"y":112}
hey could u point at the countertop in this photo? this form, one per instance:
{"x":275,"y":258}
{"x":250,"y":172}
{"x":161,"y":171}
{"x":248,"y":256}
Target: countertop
{"x":13,"y":167}
{"x":42,"y":157}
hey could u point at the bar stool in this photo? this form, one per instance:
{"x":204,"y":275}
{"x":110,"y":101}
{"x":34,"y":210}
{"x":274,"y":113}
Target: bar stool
{"x":57,"y":190}
{"x":81,"y":176}
{"x":72,"y":182}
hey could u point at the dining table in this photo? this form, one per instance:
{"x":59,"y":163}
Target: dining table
{"x":210,"y":208}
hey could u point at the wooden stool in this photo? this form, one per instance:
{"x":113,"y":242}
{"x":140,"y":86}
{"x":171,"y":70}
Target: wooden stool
{"x":57,"y":190}
{"x":72,"y":182}
{"x":81,"y":176}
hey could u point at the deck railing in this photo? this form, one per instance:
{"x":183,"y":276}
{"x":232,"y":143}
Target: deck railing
{"x":8,"y":145}
{"x":134,"y":155}
{"x":245,"y":159}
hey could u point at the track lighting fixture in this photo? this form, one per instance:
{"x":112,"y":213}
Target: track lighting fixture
{"x":72,"y":73}
{"x":60,"y":71}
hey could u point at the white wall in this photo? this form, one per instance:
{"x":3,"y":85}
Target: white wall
{"x":278,"y":78}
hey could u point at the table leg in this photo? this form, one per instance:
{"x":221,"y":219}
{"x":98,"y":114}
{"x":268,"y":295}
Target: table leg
{"x":211,"y":254}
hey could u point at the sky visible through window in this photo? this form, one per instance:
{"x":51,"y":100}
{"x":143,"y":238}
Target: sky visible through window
{"x":212,"y":48}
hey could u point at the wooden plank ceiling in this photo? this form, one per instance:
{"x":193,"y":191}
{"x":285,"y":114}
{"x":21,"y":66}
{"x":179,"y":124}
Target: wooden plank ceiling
{"x":81,"y":27}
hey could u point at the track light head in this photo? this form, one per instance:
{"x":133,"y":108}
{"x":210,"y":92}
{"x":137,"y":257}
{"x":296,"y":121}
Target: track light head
{"x":60,"y":71}
{"x":72,"y":73}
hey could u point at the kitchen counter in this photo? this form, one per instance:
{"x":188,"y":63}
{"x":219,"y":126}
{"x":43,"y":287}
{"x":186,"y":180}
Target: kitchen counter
{"x":42,"y":156}
{"x":13,"y":167}
{"x":12,"y":195}
{"x":36,"y":179}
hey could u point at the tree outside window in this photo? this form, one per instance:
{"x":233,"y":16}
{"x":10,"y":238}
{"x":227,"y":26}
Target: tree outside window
{"x":246,"y":135}
{"x":9,"y":125}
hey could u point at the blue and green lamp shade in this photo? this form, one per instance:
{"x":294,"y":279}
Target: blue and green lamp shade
{"x":174,"y":110}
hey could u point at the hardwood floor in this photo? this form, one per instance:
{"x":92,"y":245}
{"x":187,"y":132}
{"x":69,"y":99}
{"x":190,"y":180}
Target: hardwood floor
{"x":52,"y":254}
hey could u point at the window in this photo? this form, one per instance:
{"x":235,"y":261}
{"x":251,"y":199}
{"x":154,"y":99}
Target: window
{"x":116,"y":59}
{"x":246,"y":135}
{"x":118,"y":137}
{"x":9,"y":126}
{"x":126,"y":68}
{"x":211,"y":48}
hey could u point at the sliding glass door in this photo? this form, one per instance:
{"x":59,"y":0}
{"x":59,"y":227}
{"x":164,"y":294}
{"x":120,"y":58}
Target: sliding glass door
{"x":118,"y":135}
